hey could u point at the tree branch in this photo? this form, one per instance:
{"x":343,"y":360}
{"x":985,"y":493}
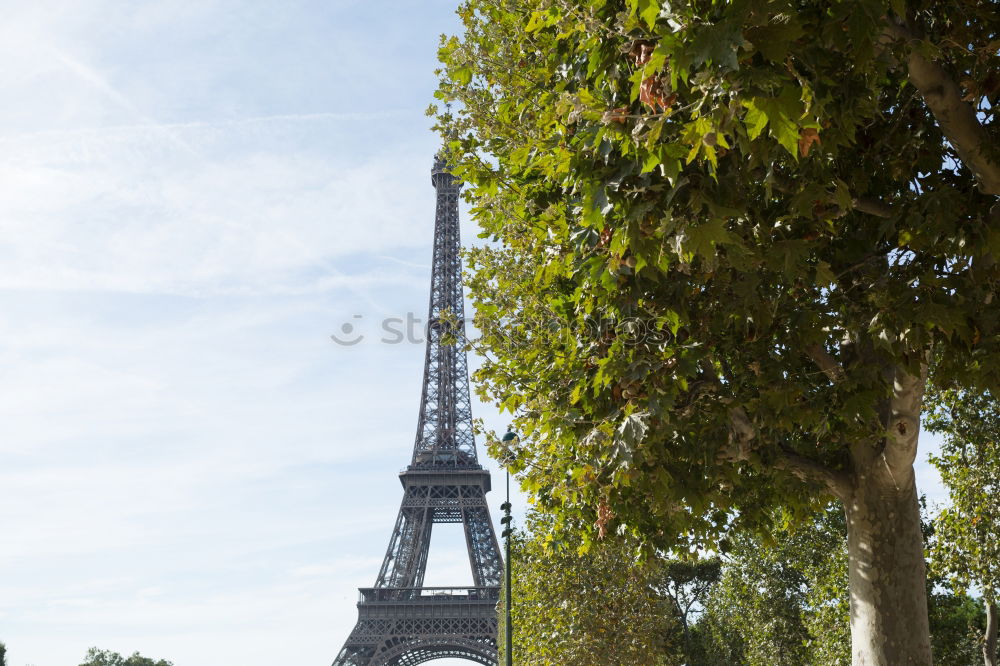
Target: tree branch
{"x":872,"y":207}
{"x":860,"y":204}
{"x":904,"y":422}
{"x":956,"y":118}
{"x":741,"y":434}
{"x":827,"y":363}
{"x":811,"y":471}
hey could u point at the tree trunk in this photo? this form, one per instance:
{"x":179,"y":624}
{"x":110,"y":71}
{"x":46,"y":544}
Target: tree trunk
{"x":885,"y":545}
{"x":992,"y":625}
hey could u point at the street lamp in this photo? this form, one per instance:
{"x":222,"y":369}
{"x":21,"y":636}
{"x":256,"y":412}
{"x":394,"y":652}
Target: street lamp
{"x":509,"y":440}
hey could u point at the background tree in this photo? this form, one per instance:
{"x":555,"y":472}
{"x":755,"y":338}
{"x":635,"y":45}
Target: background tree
{"x":779,"y":600}
{"x":967,"y":547}
{"x":686,"y":583}
{"x":957,"y":622}
{"x":731,"y":234}
{"x":599,"y":607}
{"x":782,"y":601}
{"x":3,"y":655}
{"x":97,"y":657}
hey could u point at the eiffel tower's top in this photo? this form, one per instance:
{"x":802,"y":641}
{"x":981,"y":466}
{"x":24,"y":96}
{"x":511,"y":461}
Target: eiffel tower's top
{"x":440,"y":167}
{"x":444,"y":425}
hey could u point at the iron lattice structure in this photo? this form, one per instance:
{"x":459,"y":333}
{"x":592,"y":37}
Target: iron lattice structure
{"x":401,"y":622}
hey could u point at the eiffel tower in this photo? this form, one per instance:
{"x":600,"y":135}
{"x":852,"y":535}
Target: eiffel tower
{"x":401,"y":622}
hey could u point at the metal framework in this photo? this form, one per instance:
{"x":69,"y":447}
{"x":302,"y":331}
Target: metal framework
{"x":401,"y":622}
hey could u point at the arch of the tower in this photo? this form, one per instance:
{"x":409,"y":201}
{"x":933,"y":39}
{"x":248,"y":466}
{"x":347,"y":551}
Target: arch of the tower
{"x":411,"y":653}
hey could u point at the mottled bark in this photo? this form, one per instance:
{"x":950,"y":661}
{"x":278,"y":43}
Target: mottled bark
{"x":992,"y":626}
{"x":889,"y":625}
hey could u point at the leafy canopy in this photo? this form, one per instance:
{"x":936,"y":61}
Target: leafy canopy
{"x":605,"y":607}
{"x":968,"y":546}
{"x":720,"y":231}
{"x":97,"y":657}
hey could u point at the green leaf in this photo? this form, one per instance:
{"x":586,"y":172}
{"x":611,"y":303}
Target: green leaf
{"x":782,"y":113}
{"x":755,"y":119}
{"x":462,"y":75}
{"x":824,"y":276}
{"x":651,"y":162}
{"x":775,"y":41}
{"x":702,"y":239}
{"x":717,"y":44}
{"x":629,"y":435}
{"x":542,"y":19}
{"x":648,"y":11}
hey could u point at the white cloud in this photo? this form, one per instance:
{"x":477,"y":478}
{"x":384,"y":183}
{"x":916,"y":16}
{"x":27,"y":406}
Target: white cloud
{"x":130,"y":218}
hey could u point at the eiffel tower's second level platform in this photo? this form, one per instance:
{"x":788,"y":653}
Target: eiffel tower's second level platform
{"x":456,"y":476}
{"x":407,"y":626}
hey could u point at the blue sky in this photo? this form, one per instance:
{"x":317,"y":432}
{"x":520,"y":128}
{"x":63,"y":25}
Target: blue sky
{"x":193,"y":197}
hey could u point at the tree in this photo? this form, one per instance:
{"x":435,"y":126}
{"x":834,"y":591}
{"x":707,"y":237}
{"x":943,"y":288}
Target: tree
{"x":727,"y":236}
{"x":957,"y":622}
{"x":967,"y":548}
{"x":601,"y":607}
{"x":686,"y":584}
{"x":782,"y":601}
{"x":3,"y":655}
{"x":97,"y":657}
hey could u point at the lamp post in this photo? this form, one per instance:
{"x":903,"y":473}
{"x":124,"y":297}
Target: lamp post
{"x":509,"y":440}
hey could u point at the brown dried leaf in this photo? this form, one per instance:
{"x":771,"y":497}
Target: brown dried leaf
{"x":641,"y":52}
{"x":619,"y":115}
{"x":652,"y":94}
{"x":604,"y":516}
{"x":807,"y":137}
